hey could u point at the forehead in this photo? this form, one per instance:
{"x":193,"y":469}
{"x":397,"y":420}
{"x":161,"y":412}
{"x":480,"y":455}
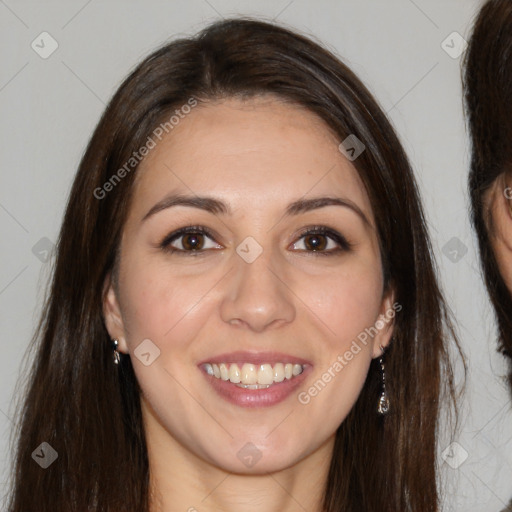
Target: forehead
{"x":256,"y":153}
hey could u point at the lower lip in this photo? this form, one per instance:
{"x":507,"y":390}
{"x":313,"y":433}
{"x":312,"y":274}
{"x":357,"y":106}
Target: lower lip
{"x":265,"y":397}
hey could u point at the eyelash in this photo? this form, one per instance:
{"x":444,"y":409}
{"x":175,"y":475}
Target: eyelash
{"x":344,"y":245}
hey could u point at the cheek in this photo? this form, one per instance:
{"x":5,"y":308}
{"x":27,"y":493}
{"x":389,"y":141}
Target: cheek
{"x":347,"y":302}
{"x":160,"y":305}
{"x":347,"y":305}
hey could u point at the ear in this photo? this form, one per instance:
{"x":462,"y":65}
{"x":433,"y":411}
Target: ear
{"x":385,"y":322}
{"x":112,"y":315}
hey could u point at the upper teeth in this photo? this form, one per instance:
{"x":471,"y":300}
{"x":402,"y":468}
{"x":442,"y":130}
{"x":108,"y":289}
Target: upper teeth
{"x":253,"y":374}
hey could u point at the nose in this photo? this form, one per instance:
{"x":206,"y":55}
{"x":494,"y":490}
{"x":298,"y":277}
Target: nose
{"x":257,"y":296}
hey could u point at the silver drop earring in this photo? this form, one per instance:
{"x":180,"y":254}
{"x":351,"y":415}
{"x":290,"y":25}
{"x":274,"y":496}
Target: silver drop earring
{"x":117,"y":357}
{"x":383,"y":405}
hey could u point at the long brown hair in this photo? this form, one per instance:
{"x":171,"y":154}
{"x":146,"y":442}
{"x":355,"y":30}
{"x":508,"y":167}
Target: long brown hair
{"x":488,"y":97}
{"x":90,"y":413}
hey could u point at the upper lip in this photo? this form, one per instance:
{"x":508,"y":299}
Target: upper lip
{"x":255,"y":357}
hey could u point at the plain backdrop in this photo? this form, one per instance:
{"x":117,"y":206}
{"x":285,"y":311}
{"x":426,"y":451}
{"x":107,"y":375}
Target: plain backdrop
{"x":404,"y":50}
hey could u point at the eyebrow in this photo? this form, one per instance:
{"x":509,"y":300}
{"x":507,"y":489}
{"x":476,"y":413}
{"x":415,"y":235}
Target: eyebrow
{"x":216,"y":206}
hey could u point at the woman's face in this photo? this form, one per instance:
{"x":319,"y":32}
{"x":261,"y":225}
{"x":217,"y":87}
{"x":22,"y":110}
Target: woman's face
{"x":244,"y":285}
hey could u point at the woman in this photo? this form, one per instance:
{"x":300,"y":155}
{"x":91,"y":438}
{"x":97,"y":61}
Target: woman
{"x":245,"y":227}
{"x":488,"y":95}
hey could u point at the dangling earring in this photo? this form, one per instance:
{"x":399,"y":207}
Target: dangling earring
{"x":117,"y":356}
{"x":383,"y":405}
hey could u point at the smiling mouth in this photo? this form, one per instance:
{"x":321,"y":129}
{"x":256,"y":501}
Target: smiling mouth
{"x":250,"y":376}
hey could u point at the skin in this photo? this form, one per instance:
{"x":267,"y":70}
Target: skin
{"x":498,"y":202}
{"x":257,"y":156}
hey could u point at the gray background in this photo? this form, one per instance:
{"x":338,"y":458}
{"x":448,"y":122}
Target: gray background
{"x":49,"y":108}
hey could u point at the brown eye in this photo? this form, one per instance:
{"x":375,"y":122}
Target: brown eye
{"x":322,"y":241}
{"x":190,"y":240}
{"x":315,"y":242}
